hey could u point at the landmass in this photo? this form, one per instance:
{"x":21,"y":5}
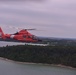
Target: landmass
{"x":57,"y":54}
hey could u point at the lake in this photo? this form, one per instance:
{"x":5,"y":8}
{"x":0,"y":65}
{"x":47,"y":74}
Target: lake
{"x":13,"y":68}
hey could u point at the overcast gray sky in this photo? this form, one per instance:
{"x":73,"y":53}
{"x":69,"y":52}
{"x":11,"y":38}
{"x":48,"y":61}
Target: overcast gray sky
{"x":54,"y":18}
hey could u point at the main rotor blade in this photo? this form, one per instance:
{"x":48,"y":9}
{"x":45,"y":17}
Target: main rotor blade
{"x":31,"y":29}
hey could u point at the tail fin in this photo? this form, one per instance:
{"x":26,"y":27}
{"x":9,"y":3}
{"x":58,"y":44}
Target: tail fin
{"x":1,"y":34}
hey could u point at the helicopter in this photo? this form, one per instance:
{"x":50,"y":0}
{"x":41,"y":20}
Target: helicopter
{"x":21,"y":36}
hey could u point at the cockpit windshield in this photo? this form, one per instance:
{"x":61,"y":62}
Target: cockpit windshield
{"x":34,"y":37}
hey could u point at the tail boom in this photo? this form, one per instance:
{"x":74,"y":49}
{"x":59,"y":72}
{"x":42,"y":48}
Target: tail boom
{"x":1,"y":34}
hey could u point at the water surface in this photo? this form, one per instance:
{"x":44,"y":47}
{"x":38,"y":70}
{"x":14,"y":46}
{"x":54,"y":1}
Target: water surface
{"x":13,"y":68}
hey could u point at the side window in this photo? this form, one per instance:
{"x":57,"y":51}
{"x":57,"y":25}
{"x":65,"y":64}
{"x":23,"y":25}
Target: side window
{"x":24,"y":36}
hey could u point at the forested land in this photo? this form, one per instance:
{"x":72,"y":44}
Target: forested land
{"x":65,"y":55}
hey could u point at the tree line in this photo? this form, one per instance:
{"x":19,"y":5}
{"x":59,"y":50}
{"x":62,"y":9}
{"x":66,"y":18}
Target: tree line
{"x":65,"y":55}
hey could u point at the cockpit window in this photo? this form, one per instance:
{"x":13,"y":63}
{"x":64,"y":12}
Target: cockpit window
{"x":29,"y":36}
{"x":34,"y":37}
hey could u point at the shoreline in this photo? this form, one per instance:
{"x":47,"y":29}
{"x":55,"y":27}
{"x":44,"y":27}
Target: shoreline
{"x":58,"y":65}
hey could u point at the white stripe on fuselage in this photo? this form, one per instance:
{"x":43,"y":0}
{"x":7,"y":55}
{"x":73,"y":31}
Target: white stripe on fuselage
{"x":12,"y":36}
